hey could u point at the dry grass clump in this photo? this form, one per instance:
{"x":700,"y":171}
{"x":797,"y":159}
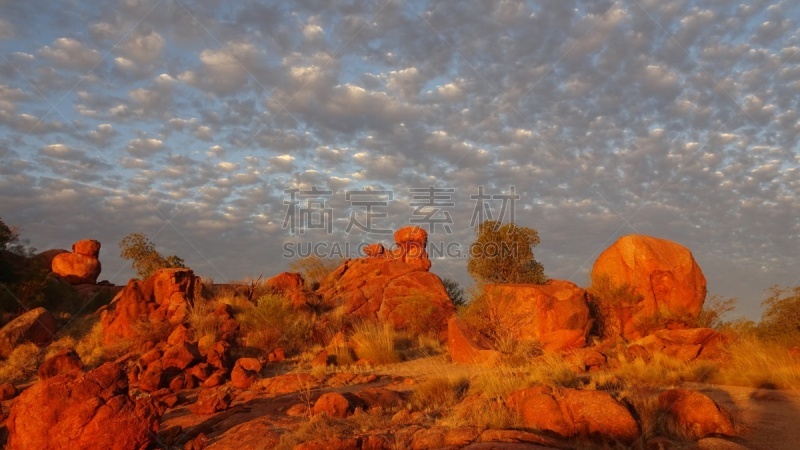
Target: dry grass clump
{"x":664,"y":370}
{"x":203,"y":320}
{"x":376,"y":342}
{"x":438,"y":393}
{"x":22,"y":364}
{"x":272,"y":323}
{"x":761,"y":364}
{"x":481,"y":412}
{"x":497,"y":382}
{"x":85,"y":335}
{"x":552,"y":369}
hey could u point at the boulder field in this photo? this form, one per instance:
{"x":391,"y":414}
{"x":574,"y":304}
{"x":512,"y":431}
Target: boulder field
{"x":193,"y":378}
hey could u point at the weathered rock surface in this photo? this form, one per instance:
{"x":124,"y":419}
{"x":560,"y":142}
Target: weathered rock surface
{"x":211,"y":401}
{"x":164,"y":298}
{"x":82,"y":411}
{"x":556,"y":314}
{"x":695,"y":413}
{"x":65,"y":361}
{"x":37,"y":326}
{"x":662,"y":272}
{"x":393,"y":287}
{"x":467,"y":346}
{"x":81,"y":266}
{"x":245,"y":372}
{"x":290,"y":286}
{"x":570,"y":412}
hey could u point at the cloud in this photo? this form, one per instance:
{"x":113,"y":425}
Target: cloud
{"x":676,"y":119}
{"x":69,"y":53}
{"x":143,"y":147}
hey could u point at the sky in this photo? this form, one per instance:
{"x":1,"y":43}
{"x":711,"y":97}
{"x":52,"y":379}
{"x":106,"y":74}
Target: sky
{"x":235,"y":134}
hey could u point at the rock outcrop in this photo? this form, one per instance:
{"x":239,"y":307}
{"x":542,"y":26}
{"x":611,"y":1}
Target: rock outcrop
{"x":393,"y":287}
{"x":671,"y":285}
{"x":571,"y":412}
{"x":37,"y":326}
{"x":290,"y":286}
{"x":556,"y":314}
{"x":165,"y":298}
{"x":81,"y":266}
{"x":82,"y":411}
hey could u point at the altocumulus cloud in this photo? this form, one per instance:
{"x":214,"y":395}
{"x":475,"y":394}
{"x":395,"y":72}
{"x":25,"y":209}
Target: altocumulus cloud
{"x":191,"y":122}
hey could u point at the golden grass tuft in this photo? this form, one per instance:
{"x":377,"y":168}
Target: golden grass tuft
{"x":759,"y":364}
{"x":202,"y":319}
{"x":438,"y":393}
{"x":22,"y":364}
{"x":376,"y":342}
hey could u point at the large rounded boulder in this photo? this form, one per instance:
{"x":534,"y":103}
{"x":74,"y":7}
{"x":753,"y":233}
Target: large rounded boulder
{"x":663,"y":275}
{"x":556,"y":314}
{"x":37,"y":326}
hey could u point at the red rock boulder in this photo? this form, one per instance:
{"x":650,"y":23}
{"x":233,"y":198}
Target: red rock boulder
{"x":556,"y":314}
{"x":82,"y":411}
{"x":285,"y":281}
{"x":87,"y":247}
{"x":80,"y":266}
{"x":37,"y":326}
{"x":165,"y":298}
{"x":245,"y":372}
{"x":695,"y":413}
{"x":290,"y":285}
{"x":570,"y":412}
{"x":666,"y":276}
{"x":334,"y":405}
{"x":65,"y":361}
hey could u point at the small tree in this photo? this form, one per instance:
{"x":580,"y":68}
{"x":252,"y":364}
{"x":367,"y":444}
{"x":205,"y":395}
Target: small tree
{"x":504,"y":254}
{"x":715,"y":308}
{"x":145,"y":259}
{"x":781,"y":318}
{"x":454,"y":291}
{"x":314,"y":269}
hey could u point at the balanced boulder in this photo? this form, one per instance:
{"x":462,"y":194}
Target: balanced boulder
{"x":81,"y":266}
